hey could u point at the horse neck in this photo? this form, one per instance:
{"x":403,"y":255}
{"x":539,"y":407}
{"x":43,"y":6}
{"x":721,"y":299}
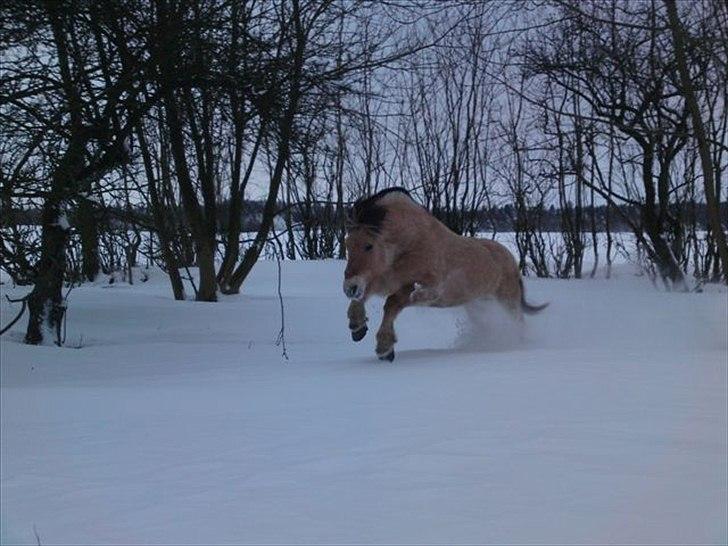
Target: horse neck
{"x":414,"y":230}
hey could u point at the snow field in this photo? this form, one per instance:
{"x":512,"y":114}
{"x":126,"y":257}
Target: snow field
{"x":180,"y":422}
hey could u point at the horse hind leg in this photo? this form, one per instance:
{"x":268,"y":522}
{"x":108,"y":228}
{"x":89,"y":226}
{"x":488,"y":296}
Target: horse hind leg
{"x":357,"y":315}
{"x":509,"y":296}
{"x":514,"y":309}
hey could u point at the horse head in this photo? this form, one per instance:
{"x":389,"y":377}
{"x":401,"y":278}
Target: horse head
{"x":369,"y":254}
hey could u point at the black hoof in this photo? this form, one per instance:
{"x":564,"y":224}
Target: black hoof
{"x":389,"y":356}
{"x":358,"y":335}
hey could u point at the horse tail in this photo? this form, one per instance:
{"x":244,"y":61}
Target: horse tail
{"x":527,"y":307}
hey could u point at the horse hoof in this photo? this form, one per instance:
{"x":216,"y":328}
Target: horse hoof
{"x":358,"y":335}
{"x":387,"y":356}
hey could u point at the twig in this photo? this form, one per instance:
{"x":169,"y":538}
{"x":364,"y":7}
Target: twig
{"x":192,"y":281}
{"x":24,"y":301}
{"x":62,"y":339}
{"x":281,"y":339}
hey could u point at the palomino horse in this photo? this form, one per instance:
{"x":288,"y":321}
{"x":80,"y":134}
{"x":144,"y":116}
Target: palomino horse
{"x":396,"y":248}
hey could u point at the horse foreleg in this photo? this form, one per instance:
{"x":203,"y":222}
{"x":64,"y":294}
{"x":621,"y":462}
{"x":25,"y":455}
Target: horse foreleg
{"x":392,"y":307}
{"x":357,"y":314}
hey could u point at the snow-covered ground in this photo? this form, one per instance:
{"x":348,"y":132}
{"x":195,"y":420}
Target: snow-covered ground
{"x":180,"y":422}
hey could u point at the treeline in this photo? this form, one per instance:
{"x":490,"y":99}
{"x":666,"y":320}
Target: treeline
{"x":202,"y":132}
{"x":494,"y":220}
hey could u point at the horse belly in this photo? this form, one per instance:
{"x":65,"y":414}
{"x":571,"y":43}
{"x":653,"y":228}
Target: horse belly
{"x":473,"y":274}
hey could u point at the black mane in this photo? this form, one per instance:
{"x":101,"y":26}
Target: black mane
{"x":368,"y":213}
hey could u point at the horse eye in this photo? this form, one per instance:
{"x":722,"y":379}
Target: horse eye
{"x":368,"y":247}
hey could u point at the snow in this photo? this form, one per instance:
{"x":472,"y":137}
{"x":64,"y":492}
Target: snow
{"x":63,"y":222}
{"x":180,"y":422}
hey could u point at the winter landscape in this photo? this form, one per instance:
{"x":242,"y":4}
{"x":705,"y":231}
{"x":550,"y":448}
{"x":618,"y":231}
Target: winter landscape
{"x":363,"y":272}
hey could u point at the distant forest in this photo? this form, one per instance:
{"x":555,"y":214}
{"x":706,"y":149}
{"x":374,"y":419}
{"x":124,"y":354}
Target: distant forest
{"x":494,"y":220}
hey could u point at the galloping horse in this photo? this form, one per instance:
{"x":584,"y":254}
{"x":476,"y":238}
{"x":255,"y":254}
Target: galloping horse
{"x":396,"y":248}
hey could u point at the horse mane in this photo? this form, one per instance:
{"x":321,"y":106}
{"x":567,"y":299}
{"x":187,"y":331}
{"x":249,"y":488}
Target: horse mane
{"x":369,"y":212}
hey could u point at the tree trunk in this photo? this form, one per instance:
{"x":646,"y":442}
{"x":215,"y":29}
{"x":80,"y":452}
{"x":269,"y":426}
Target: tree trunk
{"x":237,"y":193}
{"x":160,"y":222}
{"x":661,"y":253}
{"x":204,"y":248}
{"x":45,"y":303}
{"x":88,"y":230}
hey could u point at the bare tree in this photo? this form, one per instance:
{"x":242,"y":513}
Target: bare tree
{"x":61,"y":83}
{"x":679,"y":37}
{"x":624,"y":73}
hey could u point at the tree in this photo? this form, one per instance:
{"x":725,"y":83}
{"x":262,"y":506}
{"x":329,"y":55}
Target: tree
{"x":680,"y":38}
{"x":617,"y":60}
{"x":78,"y":108}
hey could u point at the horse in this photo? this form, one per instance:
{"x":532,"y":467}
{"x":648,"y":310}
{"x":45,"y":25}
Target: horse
{"x":395,"y":248}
